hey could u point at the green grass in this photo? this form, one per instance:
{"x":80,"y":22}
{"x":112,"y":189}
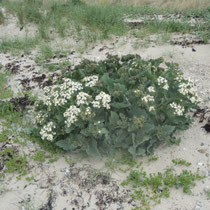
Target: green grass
{"x":92,"y":22}
{"x":5,"y":92}
{"x":13,"y":161}
{"x":1,"y":17}
{"x":19,"y":45}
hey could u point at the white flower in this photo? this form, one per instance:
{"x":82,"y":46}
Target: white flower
{"x":148,"y":98}
{"x":166,"y":86}
{"x":102,"y":98}
{"x":71,"y":115}
{"x":151,"y":89}
{"x":83,"y":98}
{"x":96,"y":104}
{"x":179,"y":110}
{"x":47,"y":131}
{"x":151,"y":108}
{"x":163,"y":81}
{"x":90,"y":81}
{"x":88,"y":111}
{"x":40,"y":117}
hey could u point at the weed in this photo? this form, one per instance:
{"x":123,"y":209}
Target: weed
{"x":14,"y":162}
{"x":29,"y":179}
{"x":3,"y":136}
{"x":181,"y":162}
{"x":153,"y":158}
{"x":39,"y":156}
{"x":19,"y":45}
{"x":1,"y":17}
{"x":4,"y":91}
{"x":151,"y":188}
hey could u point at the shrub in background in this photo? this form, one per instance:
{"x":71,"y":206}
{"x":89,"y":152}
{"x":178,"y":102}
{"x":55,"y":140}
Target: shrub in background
{"x":120,"y":103}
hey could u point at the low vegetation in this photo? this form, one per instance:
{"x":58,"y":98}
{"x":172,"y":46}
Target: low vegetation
{"x":95,"y":108}
{"x":149,"y":189}
{"x":91,"y":22}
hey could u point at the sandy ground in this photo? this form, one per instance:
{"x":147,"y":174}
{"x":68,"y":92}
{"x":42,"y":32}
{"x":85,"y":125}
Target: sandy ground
{"x":83,"y":183}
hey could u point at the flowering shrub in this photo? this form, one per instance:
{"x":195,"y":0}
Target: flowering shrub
{"x":119,"y":103}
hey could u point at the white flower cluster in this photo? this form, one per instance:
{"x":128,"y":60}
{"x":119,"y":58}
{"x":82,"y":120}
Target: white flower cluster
{"x":88,"y":111}
{"x":90,"y":81}
{"x":83,"y":98}
{"x":163,"y":81}
{"x":185,"y":88}
{"x":102,"y":99}
{"x":179,"y":77}
{"x":71,"y":115}
{"x":151,"y":108}
{"x":59,"y":94}
{"x":179,"y":110}
{"x":148,"y":98}
{"x":47,"y":131}
{"x":151,"y":89}
{"x":40,"y":117}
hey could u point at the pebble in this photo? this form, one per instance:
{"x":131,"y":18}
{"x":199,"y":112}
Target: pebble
{"x":198,"y":205}
{"x":67,"y":173}
{"x":200,"y":164}
{"x":119,"y":206}
{"x":206,"y":189}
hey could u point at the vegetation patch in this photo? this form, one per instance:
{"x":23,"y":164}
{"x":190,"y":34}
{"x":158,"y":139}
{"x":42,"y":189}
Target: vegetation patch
{"x":181,"y":162}
{"x":149,"y":189}
{"x":5,"y":91}
{"x":13,"y":162}
{"x":120,"y":103}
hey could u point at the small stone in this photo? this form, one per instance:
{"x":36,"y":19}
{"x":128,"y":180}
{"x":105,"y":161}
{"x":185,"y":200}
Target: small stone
{"x":119,"y":206}
{"x":198,"y":205}
{"x":200,"y":164}
{"x":67,"y":173}
{"x":202,"y":150}
{"x":206,"y":189}
{"x":202,"y":144}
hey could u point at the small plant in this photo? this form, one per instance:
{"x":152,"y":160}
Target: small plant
{"x":1,"y":17}
{"x":149,"y":189}
{"x":5,"y":91}
{"x":13,"y":162}
{"x":181,"y":162}
{"x":119,"y":103}
{"x":153,"y":158}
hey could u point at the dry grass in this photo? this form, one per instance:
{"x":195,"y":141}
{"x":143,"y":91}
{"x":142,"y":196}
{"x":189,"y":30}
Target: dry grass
{"x":171,"y":4}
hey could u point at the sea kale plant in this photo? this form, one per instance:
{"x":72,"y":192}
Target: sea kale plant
{"x":121,"y":103}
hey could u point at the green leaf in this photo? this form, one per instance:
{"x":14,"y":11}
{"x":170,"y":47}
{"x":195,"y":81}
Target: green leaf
{"x":140,"y":151}
{"x":114,"y":118}
{"x":68,"y":129}
{"x":60,"y":118}
{"x":120,"y":105}
{"x":66,"y":145}
{"x":92,"y":149}
{"x":107,"y":80}
{"x":132,"y":151}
